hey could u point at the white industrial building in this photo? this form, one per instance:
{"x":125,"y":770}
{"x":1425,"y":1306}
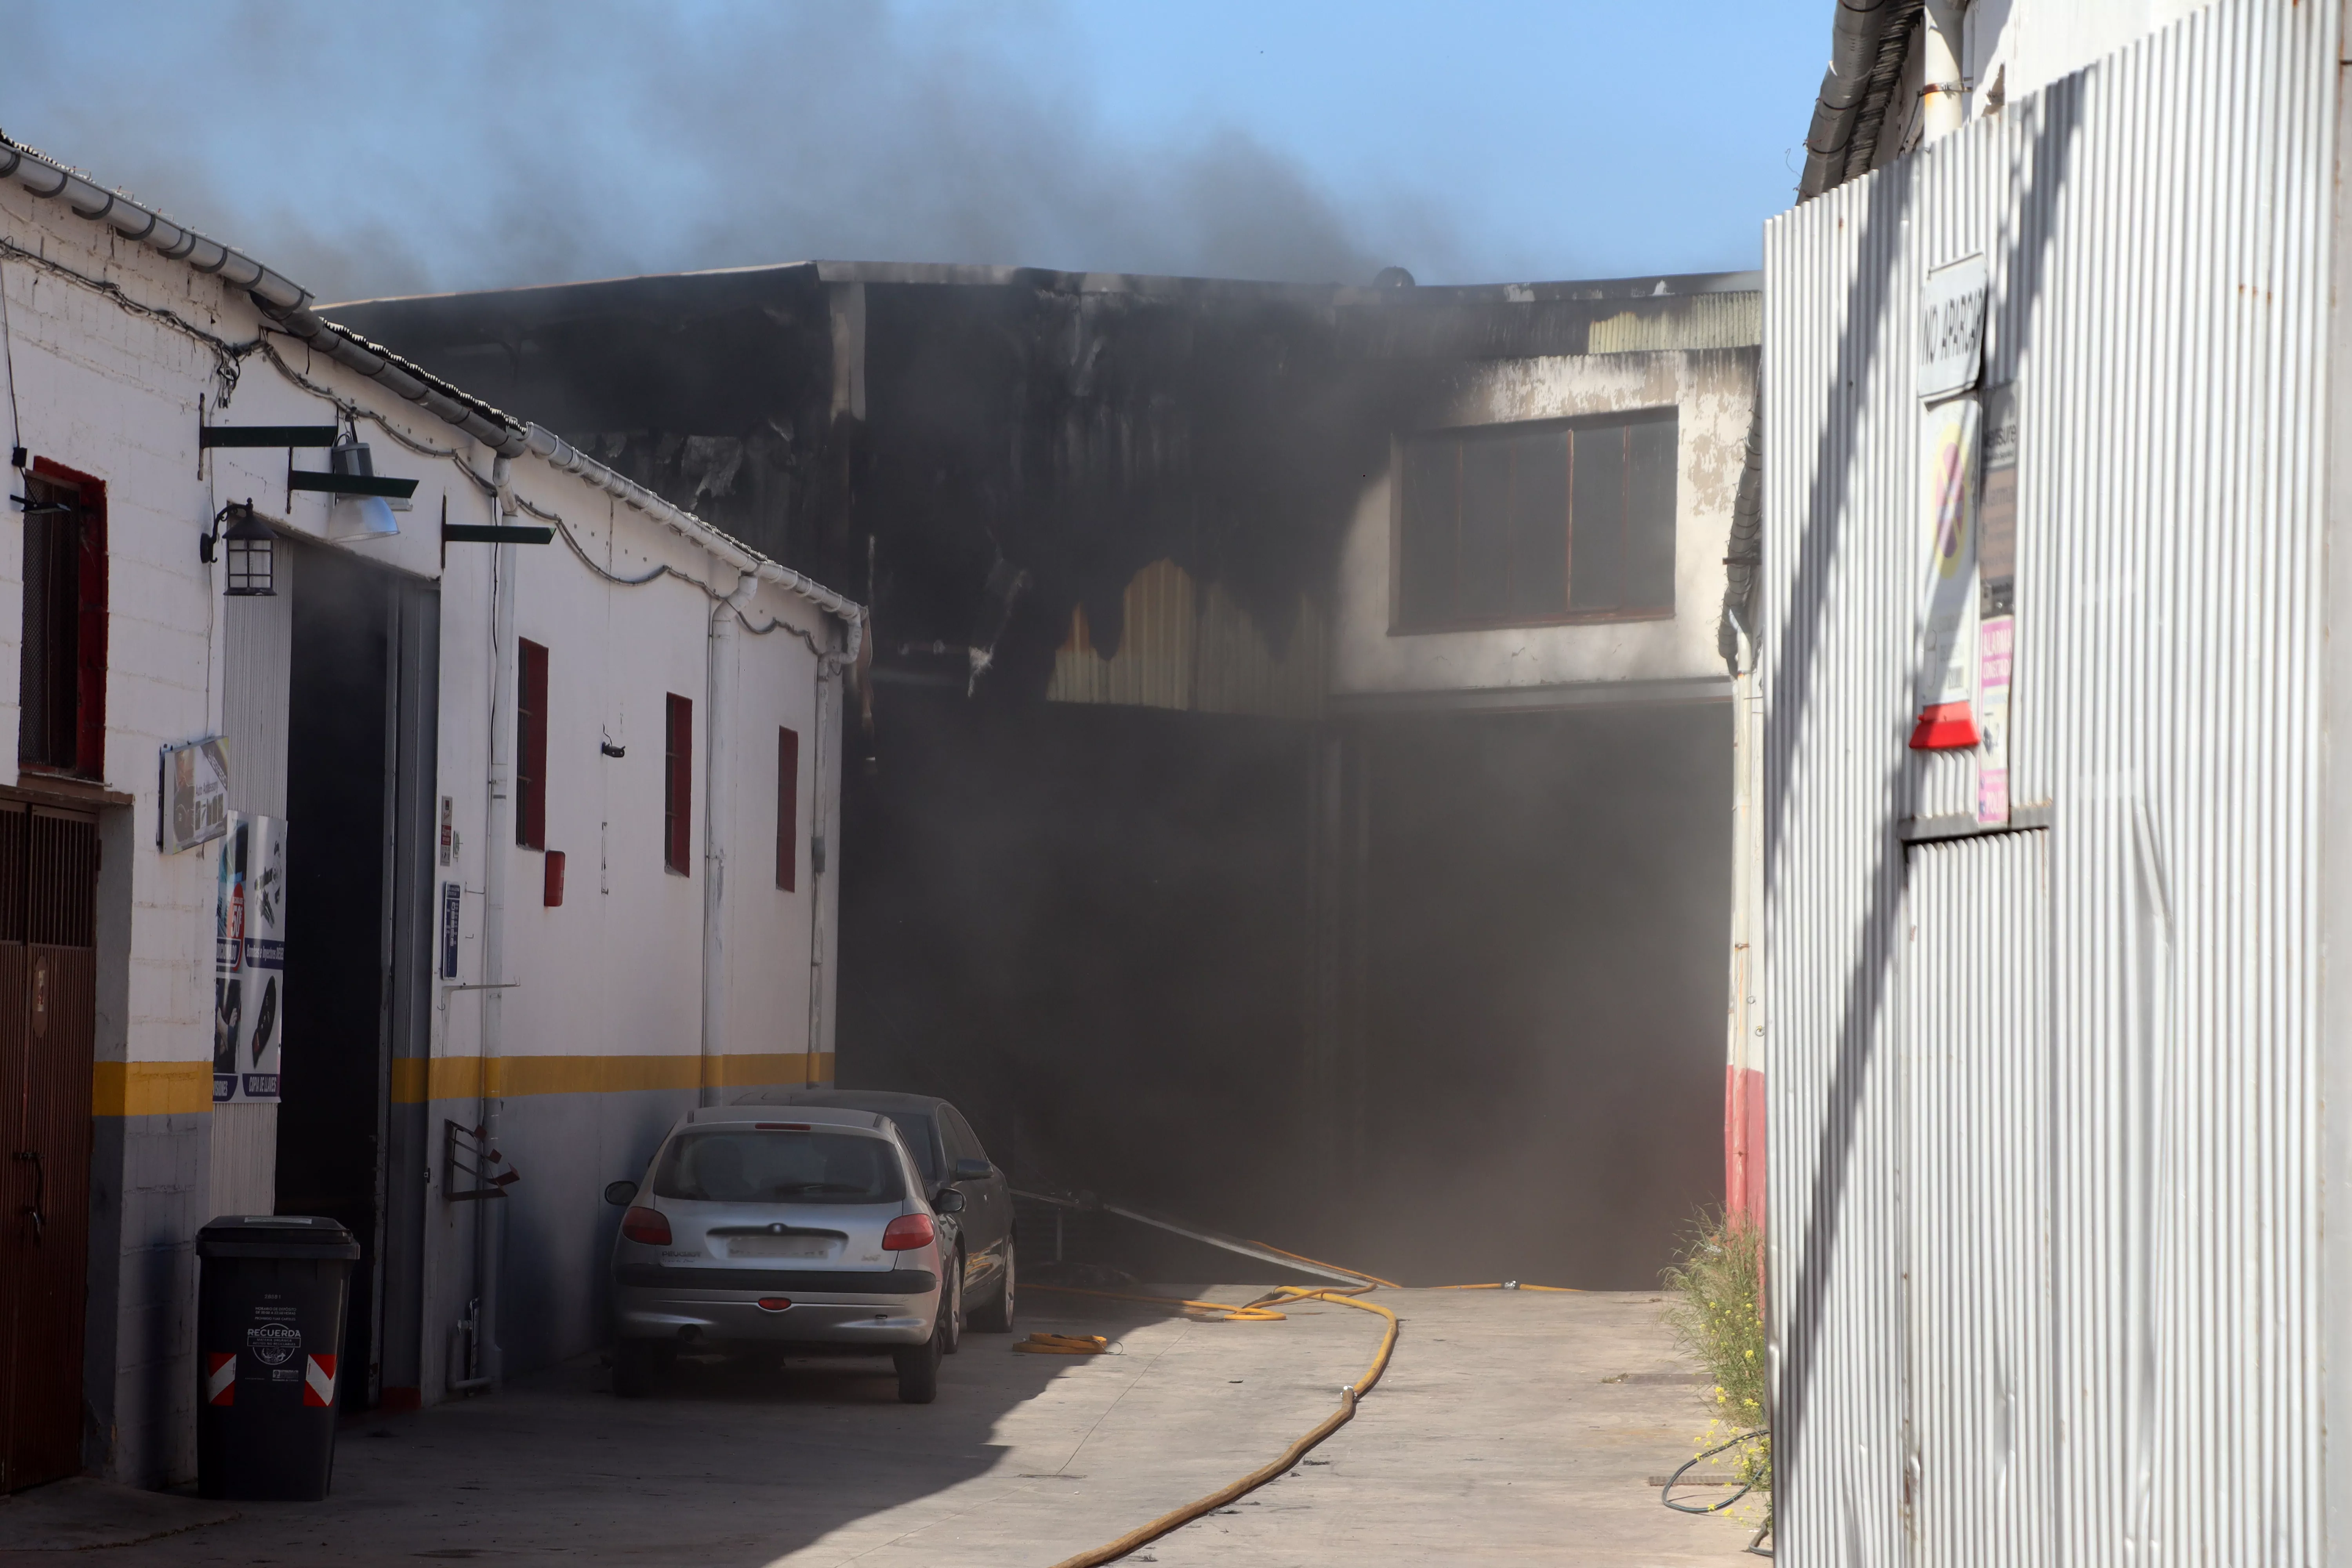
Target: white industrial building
{"x":542,"y":820}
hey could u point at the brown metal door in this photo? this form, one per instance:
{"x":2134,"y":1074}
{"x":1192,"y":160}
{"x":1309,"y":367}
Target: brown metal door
{"x":48,"y":976}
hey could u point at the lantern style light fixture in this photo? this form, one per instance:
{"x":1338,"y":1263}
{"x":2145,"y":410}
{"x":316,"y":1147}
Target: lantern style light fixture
{"x":251,"y":549}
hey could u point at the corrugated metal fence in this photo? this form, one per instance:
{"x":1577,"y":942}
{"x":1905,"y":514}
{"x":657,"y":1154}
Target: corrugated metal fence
{"x":2065,"y":1079}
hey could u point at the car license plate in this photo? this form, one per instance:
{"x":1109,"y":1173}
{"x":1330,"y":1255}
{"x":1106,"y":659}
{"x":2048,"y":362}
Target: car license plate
{"x":780,"y":1246}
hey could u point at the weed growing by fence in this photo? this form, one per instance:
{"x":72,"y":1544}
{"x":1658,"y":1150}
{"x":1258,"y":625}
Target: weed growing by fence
{"x":1718,"y":1277}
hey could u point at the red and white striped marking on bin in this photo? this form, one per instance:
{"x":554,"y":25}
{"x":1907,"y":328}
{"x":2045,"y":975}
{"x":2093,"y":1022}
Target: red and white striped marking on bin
{"x":318,"y":1381}
{"x":220,"y":1377}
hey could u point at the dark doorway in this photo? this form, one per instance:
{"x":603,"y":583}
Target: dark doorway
{"x":331,"y":1119}
{"x":1547,"y":902}
{"x":48,"y":980}
{"x":1086,"y":925}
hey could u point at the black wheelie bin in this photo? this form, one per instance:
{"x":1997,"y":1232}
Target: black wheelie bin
{"x":269,"y":1338}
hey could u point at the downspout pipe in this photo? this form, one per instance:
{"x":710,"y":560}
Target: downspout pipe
{"x":828,"y":667}
{"x":820,"y":857}
{"x":1743,"y":556}
{"x":1943,"y":99}
{"x":718,"y":818}
{"x":489,"y":1227}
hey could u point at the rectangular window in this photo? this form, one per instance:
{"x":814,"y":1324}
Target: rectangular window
{"x":677,"y":787}
{"x":788,"y":808}
{"x":61,"y":684}
{"x":1536,"y":523}
{"x":531,"y":747}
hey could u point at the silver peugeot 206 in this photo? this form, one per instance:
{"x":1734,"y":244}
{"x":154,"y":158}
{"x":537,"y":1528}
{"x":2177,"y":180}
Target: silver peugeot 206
{"x":806,"y":1229}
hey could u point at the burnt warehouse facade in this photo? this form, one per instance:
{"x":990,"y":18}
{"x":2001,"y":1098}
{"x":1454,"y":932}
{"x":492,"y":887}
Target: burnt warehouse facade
{"x":1291,"y":786}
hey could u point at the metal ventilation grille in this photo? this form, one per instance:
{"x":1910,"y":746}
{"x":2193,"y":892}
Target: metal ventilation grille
{"x":61,"y":906}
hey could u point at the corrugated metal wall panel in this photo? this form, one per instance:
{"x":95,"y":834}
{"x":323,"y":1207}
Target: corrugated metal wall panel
{"x":256,"y":679}
{"x":1196,"y":652}
{"x":1692,"y":322}
{"x":2158,"y":232}
{"x":1975,"y":1069}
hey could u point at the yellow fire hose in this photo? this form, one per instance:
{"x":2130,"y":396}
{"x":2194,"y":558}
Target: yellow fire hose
{"x":1513,"y":1285}
{"x":1255,"y":1311}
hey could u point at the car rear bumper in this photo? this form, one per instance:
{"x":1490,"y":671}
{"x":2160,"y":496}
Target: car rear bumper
{"x":671,"y":1307}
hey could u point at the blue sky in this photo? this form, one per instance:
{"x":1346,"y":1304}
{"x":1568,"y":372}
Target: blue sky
{"x":375,"y":148}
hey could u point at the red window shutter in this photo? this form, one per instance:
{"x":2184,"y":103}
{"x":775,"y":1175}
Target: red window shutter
{"x":531,"y":747}
{"x":677,"y":788}
{"x":90,"y":739}
{"x":70,"y":659}
{"x":788,"y":808}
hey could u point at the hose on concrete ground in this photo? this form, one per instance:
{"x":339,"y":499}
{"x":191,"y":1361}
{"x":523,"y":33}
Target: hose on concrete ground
{"x":1254,"y":1312}
{"x":1065,"y":1344}
{"x":1755,"y":1542}
{"x":1513,"y":1285}
{"x":1227,"y":1313}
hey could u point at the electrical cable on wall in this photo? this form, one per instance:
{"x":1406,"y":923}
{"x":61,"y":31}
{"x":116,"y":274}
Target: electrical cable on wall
{"x":8,"y":362}
{"x":228,"y":356}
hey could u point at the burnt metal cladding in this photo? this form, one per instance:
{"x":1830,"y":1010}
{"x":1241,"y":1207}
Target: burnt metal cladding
{"x":986,"y":449}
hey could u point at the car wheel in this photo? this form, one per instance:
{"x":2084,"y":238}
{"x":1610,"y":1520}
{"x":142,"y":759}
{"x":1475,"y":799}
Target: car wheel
{"x":996,"y":1317}
{"x":638,"y":1366}
{"x":951,"y":1311}
{"x":919,"y":1369}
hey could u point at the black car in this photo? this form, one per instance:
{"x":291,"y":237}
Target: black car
{"x":949,"y":1154}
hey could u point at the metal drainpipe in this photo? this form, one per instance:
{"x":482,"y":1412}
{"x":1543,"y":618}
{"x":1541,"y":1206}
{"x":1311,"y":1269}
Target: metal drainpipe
{"x":818,"y":850}
{"x":1943,"y":105}
{"x":821,"y":843}
{"x":717,"y":800}
{"x":489,"y":1226}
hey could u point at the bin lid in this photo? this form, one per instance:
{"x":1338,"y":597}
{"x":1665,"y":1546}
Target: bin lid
{"x":276,"y":1236}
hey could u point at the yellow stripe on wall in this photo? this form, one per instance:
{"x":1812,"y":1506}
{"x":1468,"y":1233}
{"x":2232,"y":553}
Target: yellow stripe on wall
{"x":416,"y":1081}
{"x":182,"y":1089}
{"x":151,"y":1088}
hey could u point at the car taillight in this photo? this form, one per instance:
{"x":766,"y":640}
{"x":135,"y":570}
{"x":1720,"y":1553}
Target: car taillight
{"x":908,"y":1232}
{"x":647,"y":1225}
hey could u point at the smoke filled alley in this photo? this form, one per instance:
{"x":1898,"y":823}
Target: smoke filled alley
{"x":1253,"y":814}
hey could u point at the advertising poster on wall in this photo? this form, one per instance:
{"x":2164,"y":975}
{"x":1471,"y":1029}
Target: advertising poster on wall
{"x":1996,"y":603}
{"x":1946,"y":689}
{"x":195,"y":794}
{"x":249,"y":959}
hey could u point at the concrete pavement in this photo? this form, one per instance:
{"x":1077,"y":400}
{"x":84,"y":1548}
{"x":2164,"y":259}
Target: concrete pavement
{"x":1496,"y":1437}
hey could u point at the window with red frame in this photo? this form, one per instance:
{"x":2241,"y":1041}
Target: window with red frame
{"x":788,"y":809}
{"x":61,"y":680}
{"x":677,"y":787}
{"x":531,"y":747}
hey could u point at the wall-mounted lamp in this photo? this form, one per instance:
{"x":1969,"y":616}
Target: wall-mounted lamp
{"x":251,"y":549}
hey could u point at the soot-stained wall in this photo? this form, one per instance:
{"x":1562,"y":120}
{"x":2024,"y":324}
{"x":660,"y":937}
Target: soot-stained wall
{"x":976,"y":451}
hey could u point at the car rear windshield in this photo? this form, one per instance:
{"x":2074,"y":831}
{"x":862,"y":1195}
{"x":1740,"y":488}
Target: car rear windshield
{"x":741,"y":1166}
{"x":915,"y":1131}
